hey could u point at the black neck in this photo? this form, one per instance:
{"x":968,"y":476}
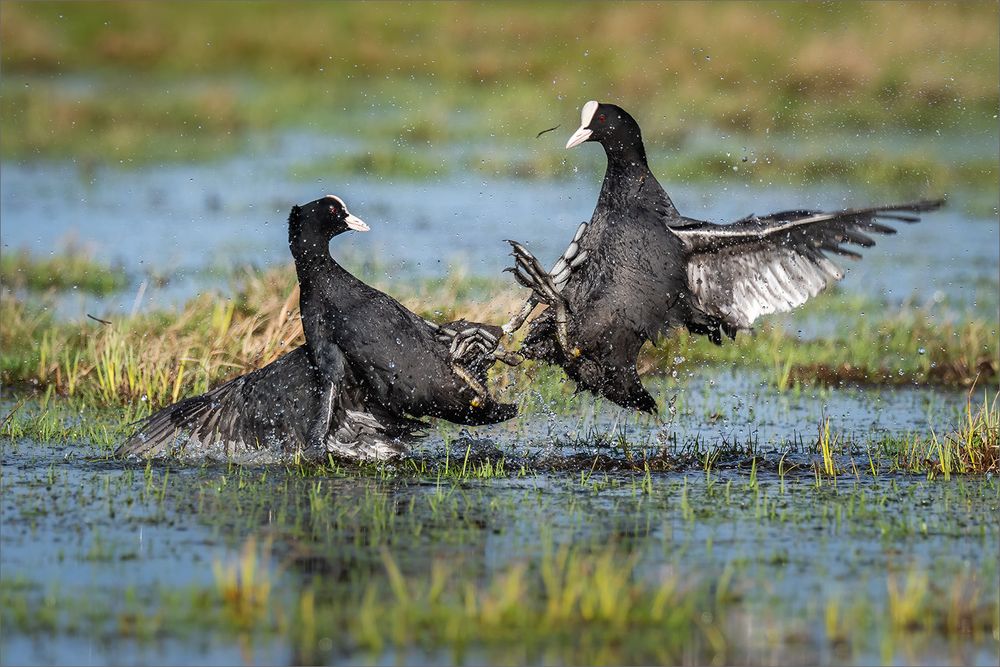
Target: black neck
{"x":628,"y":176}
{"x":321,"y":277}
{"x":626,"y":172}
{"x":310,"y":247}
{"x":626,"y":150}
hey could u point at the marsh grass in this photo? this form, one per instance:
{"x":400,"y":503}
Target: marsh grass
{"x":158,"y":357}
{"x":906,"y":345}
{"x":244,"y":584}
{"x":71,"y":268}
{"x":972,"y":446}
{"x":148,"y":87}
{"x":56,"y":422}
{"x":571,"y":602}
{"x":596,"y":598}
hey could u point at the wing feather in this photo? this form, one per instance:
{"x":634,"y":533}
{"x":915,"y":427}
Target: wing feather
{"x":774,"y":263}
{"x":261,"y":407}
{"x":269,"y":408}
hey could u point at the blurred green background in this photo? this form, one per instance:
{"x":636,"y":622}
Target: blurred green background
{"x":814,"y":87}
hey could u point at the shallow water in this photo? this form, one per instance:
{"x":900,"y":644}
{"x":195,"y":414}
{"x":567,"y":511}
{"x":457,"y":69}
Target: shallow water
{"x":715,"y":406}
{"x":112,"y":537}
{"x":182,"y":222}
{"x":809,"y":550}
{"x":93,"y":542}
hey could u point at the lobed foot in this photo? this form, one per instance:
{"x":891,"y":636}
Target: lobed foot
{"x":529,"y":273}
{"x":470,"y":349}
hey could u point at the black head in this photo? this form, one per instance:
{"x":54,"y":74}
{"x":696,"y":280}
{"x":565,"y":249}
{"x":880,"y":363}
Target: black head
{"x":610,"y":125}
{"x":331,"y":214}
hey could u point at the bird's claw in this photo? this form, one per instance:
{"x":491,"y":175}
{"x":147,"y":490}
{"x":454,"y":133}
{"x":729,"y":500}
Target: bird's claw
{"x":472,"y":344}
{"x":528,"y":272}
{"x":475,"y":348}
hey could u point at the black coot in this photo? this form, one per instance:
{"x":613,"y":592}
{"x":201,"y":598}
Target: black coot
{"x":320,"y":398}
{"x":408,"y":365}
{"x":639,"y":268}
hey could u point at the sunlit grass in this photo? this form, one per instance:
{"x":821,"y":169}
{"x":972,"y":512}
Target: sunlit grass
{"x":158,"y":357}
{"x":904,"y":346}
{"x":72,"y":268}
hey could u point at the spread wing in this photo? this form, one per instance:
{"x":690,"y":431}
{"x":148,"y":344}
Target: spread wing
{"x":761,"y":265}
{"x":269,"y":408}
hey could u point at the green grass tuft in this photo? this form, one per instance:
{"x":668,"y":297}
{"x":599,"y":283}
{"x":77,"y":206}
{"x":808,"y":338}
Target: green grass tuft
{"x":71,"y":269}
{"x":159,"y":357}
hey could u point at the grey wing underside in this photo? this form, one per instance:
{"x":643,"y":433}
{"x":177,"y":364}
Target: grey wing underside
{"x":264,"y":416}
{"x":774,"y":263}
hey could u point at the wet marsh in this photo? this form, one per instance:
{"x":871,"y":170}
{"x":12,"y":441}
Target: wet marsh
{"x":822,"y":490}
{"x":732,"y":528}
{"x":731,"y":558}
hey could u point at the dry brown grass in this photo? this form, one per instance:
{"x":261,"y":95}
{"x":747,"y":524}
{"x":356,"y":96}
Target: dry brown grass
{"x":160,"y":357}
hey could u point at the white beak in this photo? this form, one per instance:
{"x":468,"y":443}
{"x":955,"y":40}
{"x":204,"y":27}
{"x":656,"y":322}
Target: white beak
{"x":356,"y":223}
{"x":579,"y":137}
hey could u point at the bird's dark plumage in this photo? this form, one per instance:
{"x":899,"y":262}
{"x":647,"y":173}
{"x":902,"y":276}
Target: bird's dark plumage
{"x":647,"y":269}
{"x":265,"y":415}
{"x":396,"y":354}
{"x":356,"y":401}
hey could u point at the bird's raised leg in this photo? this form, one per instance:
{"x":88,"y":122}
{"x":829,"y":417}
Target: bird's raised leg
{"x":568,"y":263}
{"x":529,"y":273}
{"x":470,"y":348}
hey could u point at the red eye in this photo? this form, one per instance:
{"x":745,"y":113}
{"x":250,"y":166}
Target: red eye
{"x":601,"y":118}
